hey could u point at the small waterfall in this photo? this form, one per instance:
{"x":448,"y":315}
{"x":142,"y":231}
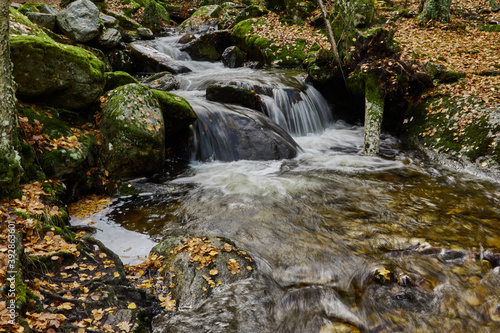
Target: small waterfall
{"x":293,"y":106}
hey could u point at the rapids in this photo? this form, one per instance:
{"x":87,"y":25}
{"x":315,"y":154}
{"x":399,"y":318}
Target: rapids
{"x":386,"y":244}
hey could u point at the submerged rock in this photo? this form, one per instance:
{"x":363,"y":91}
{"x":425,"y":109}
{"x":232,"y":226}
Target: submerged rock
{"x":233,"y":57}
{"x":133,"y":132}
{"x":59,"y":75}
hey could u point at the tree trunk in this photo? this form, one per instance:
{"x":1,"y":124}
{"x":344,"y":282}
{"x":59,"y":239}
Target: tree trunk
{"x":330,"y":32}
{"x":438,"y":10}
{"x":10,"y":168}
{"x":374,"y":110}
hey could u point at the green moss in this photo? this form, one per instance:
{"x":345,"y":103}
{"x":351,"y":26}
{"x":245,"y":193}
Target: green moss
{"x":30,"y":7}
{"x":116,"y":79}
{"x":23,"y":22}
{"x":10,"y":174}
{"x":490,"y":28}
{"x":177,"y":113}
{"x":445,"y":124}
{"x":212,"y":11}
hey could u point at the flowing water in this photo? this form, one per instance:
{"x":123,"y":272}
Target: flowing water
{"x":342,"y":242}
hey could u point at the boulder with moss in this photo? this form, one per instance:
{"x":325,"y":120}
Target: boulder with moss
{"x":154,"y":16}
{"x":224,"y":93}
{"x":267,"y":51}
{"x":205,"y":18}
{"x":133,"y":132}
{"x":59,"y":75}
{"x":177,"y":113}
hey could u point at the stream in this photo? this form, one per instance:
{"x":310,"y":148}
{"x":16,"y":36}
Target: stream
{"x":342,"y":242}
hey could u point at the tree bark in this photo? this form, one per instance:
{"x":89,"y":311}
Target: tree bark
{"x":329,"y":31}
{"x":438,"y":10}
{"x":10,"y":168}
{"x":374,"y":111}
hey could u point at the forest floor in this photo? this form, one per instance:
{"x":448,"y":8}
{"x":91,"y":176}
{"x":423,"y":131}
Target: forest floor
{"x":68,"y":277}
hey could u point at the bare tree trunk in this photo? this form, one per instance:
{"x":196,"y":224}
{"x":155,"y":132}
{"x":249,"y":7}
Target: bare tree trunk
{"x":329,"y":31}
{"x":10,"y":168}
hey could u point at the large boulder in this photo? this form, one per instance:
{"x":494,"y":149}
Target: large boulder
{"x":80,"y":21}
{"x":224,"y":93}
{"x":148,"y":59}
{"x":45,"y":20}
{"x":154,"y":16}
{"x":133,"y":132}
{"x":59,"y":75}
{"x":205,"y":18}
{"x":241,"y":134}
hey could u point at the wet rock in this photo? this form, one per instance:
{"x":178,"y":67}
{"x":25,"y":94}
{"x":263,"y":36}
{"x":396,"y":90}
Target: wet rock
{"x":133,"y":132}
{"x":110,"y":38}
{"x":223,"y":93}
{"x":61,"y":76}
{"x":234,"y":135}
{"x":233,"y":57}
{"x":209,"y":46}
{"x":163,"y":81}
{"x":196,"y":268}
{"x":80,"y":21}
{"x":393,"y":297}
{"x":186,"y":38}
{"x":177,"y":114}
{"x":148,"y":60}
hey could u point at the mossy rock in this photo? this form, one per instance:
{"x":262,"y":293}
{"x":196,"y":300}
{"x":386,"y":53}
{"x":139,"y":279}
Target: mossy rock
{"x":133,"y":132}
{"x":21,"y":25}
{"x":211,"y":11}
{"x":321,"y":66}
{"x":176,"y":111}
{"x":118,"y":78}
{"x":30,"y":7}
{"x":457,"y":127}
{"x":209,"y":46}
{"x":62,"y":162}
{"x":266,"y":51}
{"x":251,"y":12}
{"x":59,"y":75}
{"x":10,"y":173}
{"x":154,"y":16}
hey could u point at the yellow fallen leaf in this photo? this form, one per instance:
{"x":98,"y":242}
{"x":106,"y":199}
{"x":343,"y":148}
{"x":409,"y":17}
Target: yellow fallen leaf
{"x":132,"y":306}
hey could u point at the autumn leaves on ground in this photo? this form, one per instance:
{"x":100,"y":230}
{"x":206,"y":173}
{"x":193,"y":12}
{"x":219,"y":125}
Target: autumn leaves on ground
{"x":69,"y":278}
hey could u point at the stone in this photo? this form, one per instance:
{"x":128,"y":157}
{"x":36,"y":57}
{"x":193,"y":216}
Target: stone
{"x":148,"y":60}
{"x":46,"y":9}
{"x":209,"y":46}
{"x":163,"y":81}
{"x":233,"y":57}
{"x":110,"y":38}
{"x":80,"y":21}
{"x":120,"y":60}
{"x":154,"y":16}
{"x":145,"y":33}
{"x":251,"y":12}
{"x":108,"y":21}
{"x":242,"y":130}
{"x":59,"y":75}
{"x":233,"y":94}
{"x":133,"y":132}
{"x":45,"y":20}
{"x":177,"y":114}
{"x":186,"y":38}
